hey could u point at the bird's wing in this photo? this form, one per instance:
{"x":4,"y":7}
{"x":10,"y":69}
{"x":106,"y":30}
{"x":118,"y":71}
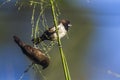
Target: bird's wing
{"x":51,"y":30}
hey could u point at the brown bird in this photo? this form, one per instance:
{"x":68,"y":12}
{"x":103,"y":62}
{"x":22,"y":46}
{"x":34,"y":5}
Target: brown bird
{"x":32,"y":53}
{"x":51,"y":35}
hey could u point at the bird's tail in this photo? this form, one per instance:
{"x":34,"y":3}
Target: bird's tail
{"x":36,"y":40}
{"x":18,"y":41}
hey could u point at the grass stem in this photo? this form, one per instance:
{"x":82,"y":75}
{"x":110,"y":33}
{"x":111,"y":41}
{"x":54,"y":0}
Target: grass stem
{"x":63,"y":58}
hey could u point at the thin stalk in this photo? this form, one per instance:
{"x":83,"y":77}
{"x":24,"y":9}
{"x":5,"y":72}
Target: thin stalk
{"x":21,"y":77}
{"x":32,"y":21}
{"x":39,"y":71}
{"x":64,"y":62}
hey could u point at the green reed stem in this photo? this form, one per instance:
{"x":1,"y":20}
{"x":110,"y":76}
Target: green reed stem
{"x":63,"y":58}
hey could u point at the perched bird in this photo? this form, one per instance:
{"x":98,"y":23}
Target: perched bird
{"x":51,"y":35}
{"x":32,"y":53}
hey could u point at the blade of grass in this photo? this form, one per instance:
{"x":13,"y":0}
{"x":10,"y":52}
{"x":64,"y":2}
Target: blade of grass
{"x":63,"y":58}
{"x":39,"y":71}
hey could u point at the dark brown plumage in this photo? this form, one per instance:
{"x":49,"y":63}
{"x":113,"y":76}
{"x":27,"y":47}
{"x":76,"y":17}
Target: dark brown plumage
{"x":32,"y":53}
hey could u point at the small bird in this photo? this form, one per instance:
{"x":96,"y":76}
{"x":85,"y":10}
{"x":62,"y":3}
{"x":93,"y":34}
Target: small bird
{"x":51,"y":35}
{"x":32,"y":53}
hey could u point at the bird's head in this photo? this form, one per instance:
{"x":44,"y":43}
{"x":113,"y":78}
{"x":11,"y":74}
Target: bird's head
{"x":66,"y":23}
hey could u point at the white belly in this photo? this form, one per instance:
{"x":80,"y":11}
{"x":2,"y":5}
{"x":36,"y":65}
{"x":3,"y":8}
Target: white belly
{"x":61,"y":31}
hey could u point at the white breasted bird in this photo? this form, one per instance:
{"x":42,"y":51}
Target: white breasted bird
{"x":51,"y":35}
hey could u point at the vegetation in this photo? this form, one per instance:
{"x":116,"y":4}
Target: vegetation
{"x":40,"y":22}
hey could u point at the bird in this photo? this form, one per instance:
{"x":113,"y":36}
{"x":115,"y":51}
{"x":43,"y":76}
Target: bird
{"x":51,"y":35}
{"x":34,"y":54}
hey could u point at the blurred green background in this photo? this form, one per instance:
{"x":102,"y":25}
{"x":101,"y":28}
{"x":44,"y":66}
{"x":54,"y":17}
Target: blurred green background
{"x":88,"y":49}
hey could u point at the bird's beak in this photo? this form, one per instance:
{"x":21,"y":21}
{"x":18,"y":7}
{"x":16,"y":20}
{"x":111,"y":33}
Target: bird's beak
{"x":69,"y":25}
